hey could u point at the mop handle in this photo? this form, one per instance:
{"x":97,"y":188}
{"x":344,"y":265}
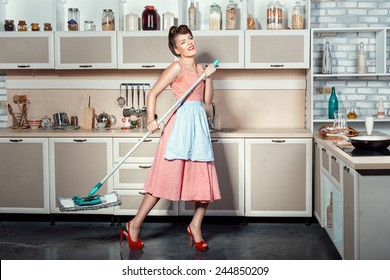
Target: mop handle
{"x":177,"y":103}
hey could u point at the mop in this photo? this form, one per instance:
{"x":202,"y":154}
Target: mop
{"x":95,"y":202}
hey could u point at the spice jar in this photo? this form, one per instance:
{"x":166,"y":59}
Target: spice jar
{"x":89,"y":25}
{"x":35,"y":26}
{"x":108,"y":20}
{"x":9,"y":25}
{"x":22,"y":25}
{"x":231,"y":16}
{"x":215,"y":17}
{"x":47,"y":27}
{"x":297,"y":19}
{"x":149,"y":18}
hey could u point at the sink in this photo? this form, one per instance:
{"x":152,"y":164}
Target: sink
{"x":222,"y":130}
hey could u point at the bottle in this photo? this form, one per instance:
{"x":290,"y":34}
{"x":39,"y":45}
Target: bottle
{"x":192,"y":16}
{"x":361,"y":63}
{"x":352,"y":113}
{"x":270,"y":15}
{"x":73,"y":19}
{"x":333,"y":105}
{"x":279,"y":17}
{"x":327,"y":60}
{"x":149,"y":18}
{"x":381,"y":109}
{"x":231,"y":16}
{"x":329,"y":212}
{"x":298,"y":18}
{"x":215,"y":17}
{"x":108,"y":20}
{"x":168,"y":20}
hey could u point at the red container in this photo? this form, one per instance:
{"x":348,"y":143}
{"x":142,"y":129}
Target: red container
{"x":149,"y":18}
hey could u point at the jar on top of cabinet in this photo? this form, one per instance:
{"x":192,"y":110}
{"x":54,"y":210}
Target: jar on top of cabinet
{"x":35,"y":26}
{"x":9,"y":25}
{"x":47,"y":27}
{"x":149,"y":18}
{"x":215,"y":17}
{"x":22,"y":25}
{"x":108,"y":20}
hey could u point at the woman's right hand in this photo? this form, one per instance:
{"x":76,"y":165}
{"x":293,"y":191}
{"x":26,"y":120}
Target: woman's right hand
{"x":153,"y":126}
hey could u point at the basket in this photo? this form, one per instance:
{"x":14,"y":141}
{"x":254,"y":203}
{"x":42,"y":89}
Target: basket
{"x":328,"y":128}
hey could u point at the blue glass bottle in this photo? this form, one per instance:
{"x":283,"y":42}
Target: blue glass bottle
{"x":333,"y":104}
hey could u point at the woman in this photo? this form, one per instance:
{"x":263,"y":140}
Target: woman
{"x":183,"y":168}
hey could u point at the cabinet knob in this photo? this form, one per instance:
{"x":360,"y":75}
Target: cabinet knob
{"x":346,"y":168}
{"x":333,"y":157}
{"x":323,"y":149}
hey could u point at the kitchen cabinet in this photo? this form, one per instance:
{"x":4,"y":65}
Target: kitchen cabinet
{"x":33,"y":50}
{"x":282,"y":49}
{"x":129,"y":179}
{"x":24,"y":173}
{"x":317,"y":191}
{"x":76,"y":166}
{"x":278,"y":177}
{"x":229,"y":162}
{"x":144,"y":50}
{"x":351,"y":87}
{"x":85,"y":50}
{"x":226,"y":46}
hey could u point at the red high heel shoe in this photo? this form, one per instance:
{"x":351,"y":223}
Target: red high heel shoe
{"x":133,"y":245}
{"x":200,"y":246}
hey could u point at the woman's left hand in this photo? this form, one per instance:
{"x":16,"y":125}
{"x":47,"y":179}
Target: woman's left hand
{"x":209,"y":71}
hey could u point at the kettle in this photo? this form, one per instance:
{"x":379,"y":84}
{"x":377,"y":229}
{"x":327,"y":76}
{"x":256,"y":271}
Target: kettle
{"x":109,"y":120}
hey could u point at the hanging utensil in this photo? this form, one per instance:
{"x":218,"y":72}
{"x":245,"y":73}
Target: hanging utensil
{"x":23,"y":116}
{"x":126,"y":110}
{"x":14,"y":119}
{"x":138,"y":111}
{"x":132,"y":109}
{"x":121,"y":101}
{"x":143,"y":110}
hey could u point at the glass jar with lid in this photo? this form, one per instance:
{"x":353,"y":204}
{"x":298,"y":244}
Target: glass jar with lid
{"x":73,"y":19}
{"x":9,"y":25}
{"x":47,"y":27}
{"x":108,"y":20}
{"x":22,"y":25}
{"x":149,"y":18}
{"x":215,"y":22}
{"x":35,"y":26}
{"x":231,"y":16}
{"x":89,"y":25}
{"x":298,"y":17}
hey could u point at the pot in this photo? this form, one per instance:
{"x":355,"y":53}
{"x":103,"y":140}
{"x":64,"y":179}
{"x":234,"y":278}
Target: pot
{"x":61,"y":119}
{"x":367,"y":142}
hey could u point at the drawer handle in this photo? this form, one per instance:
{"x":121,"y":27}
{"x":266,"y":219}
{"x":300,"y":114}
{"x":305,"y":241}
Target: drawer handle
{"x":214,"y":140}
{"x":279,"y":141}
{"x":147,"y":140}
{"x":148,"y":66}
{"x":277,"y":65}
{"x":85,"y":66}
{"x":16,"y":140}
{"x":23,"y":66}
{"x":80,"y":140}
{"x":323,"y":149}
{"x":142,"y":193}
{"x":144,"y":166}
{"x":333,"y":157}
{"x":346,"y":169}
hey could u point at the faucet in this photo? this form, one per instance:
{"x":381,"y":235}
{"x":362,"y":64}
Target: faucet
{"x":211,"y":120}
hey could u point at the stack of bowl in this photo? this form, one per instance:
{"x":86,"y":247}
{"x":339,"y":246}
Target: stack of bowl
{"x":34,"y":123}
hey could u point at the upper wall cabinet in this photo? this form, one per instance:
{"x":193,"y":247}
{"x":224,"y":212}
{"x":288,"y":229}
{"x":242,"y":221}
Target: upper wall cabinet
{"x":143,"y":50}
{"x":32,"y":50}
{"x":85,"y":50}
{"x":281,"y":49}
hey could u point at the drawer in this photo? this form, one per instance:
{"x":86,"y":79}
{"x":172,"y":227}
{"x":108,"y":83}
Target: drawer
{"x":131,"y":176}
{"x":143,"y":154}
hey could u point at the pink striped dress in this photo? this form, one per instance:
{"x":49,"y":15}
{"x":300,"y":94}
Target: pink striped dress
{"x":179,"y":179}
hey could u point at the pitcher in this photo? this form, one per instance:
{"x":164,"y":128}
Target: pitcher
{"x":340,"y":123}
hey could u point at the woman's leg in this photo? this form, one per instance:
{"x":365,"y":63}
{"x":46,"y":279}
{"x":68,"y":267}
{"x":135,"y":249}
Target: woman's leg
{"x":196,"y":223}
{"x":135,"y":224}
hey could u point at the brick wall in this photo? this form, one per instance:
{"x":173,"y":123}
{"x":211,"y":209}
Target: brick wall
{"x":364,"y":91}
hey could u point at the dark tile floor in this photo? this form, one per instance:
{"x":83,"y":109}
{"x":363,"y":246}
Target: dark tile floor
{"x":30,"y":240}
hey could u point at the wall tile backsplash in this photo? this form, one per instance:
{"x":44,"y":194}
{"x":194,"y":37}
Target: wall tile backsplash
{"x":363,"y":92}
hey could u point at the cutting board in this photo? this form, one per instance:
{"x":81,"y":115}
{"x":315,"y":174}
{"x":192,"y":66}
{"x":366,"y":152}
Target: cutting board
{"x":89,"y":115}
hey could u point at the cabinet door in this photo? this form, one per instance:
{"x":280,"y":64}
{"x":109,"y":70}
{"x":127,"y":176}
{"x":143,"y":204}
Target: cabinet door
{"x":24,"y":173}
{"x":349,"y":210}
{"x":278,"y":178}
{"x":85,"y":50}
{"x":76,"y":165}
{"x":229,"y":162}
{"x":317,"y":183}
{"x":144,"y":50}
{"x":226,"y":46}
{"x":144,"y":154}
{"x":266,"y":49}
{"x":33,"y":50}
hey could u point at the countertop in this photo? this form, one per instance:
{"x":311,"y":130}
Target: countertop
{"x":357,"y":163}
{"x":117,"y":132}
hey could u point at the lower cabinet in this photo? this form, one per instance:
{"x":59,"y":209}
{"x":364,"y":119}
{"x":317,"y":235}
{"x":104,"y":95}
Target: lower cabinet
{"x":229,"y":162}
{"x":24,"y":173}
{"x":76,"y":166}
{"x":278,"y":178}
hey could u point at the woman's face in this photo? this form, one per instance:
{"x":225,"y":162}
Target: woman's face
{"x":185,"y":45}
